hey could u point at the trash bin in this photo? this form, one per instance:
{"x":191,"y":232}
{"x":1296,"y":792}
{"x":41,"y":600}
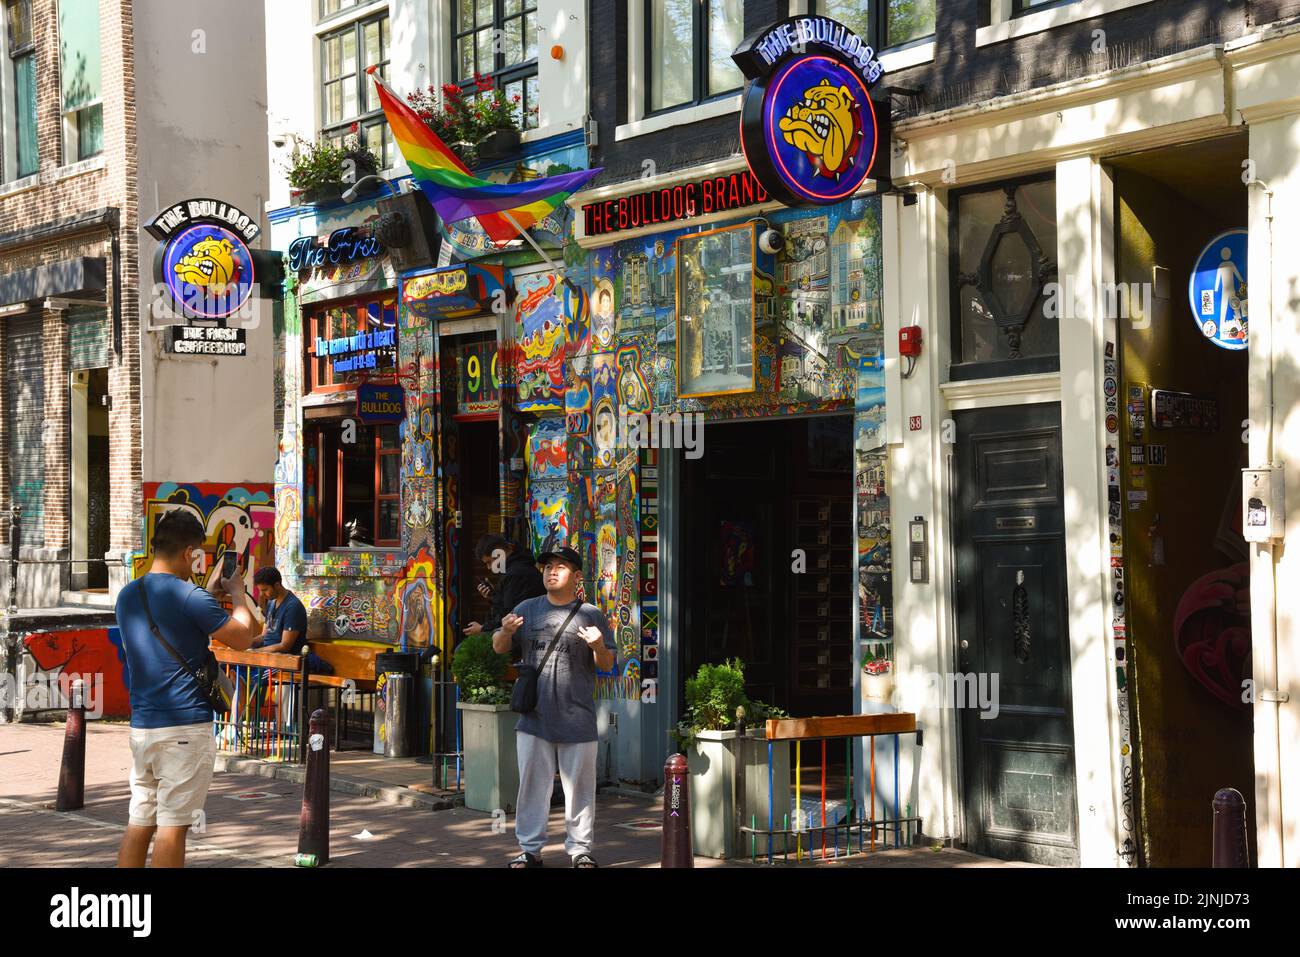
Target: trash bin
{"x":399,"y":694}
{"x":391,"y":722}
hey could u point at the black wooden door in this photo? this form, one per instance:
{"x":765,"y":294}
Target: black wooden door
{"x":1013,"y":636}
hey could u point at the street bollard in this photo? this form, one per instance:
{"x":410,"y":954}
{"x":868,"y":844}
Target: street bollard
{"x":1230,"y":847}
{"x":314,"y":824}
{"x":676,"y":850}
{"x":72,"y":771}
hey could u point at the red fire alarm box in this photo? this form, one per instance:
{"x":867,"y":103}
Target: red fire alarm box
{"x":909,"y":341}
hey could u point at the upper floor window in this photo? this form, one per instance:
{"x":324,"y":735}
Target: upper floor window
{"x":498,"y":39}
{"x":883,"y":23}
{"x":20,"y":115}
{"x":999,"y":11}
{"x":1002,"y":249}
{"x":348,"y":96}
{"x":79,"y":74}
{"x":688,"y":48}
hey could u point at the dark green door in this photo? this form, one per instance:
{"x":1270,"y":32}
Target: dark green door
{"x":1013,"y":636}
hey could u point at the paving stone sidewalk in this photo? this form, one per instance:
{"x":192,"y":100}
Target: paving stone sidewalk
{"x":252,"y":820}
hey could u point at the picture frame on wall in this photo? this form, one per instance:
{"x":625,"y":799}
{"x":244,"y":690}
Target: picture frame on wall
{"x":715,"y":312}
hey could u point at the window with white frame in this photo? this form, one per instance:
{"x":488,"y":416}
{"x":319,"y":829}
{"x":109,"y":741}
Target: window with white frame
{"x":1000,"y":11}
{"x":349,"y":98}
{"x":497,"y":39}
{"x":79,"y":79}
{"x":882,"y":23}
{"x":688,"y":47}
{"x":19,"y":113}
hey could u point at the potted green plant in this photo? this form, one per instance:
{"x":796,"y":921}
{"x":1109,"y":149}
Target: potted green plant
{"x":713,"y":748}
{"x":480,"y":127}
{"x":877,"y":679}
{"x":487,"y":725}
{"x":316,"y":173}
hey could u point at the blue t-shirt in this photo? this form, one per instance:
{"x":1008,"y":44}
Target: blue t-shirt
{"x":163,"y":694}
{"x":287,"y":614}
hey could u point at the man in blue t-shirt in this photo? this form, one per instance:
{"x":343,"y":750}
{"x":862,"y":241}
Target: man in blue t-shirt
{"x":286,"y":618}
{"x":173,"y":748}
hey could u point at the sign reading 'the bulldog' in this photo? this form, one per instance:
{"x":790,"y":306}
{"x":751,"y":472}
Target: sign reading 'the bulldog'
{"x":205,"y":262}
{"x":809,"y":128}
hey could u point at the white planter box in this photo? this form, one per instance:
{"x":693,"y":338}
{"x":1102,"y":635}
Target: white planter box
{"x":491,"y":761}
{"x":712,"y":766}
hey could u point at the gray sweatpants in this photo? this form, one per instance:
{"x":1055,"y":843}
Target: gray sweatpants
{"x":538,"y":761}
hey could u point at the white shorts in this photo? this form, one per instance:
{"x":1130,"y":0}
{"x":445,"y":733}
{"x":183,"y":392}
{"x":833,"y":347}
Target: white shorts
{"x":171,"y":769}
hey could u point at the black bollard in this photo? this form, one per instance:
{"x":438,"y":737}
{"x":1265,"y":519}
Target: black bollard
{"x":72,"y":771}
{"x":314,"y":824}
{"x":1230,"y":846}
{"x":676,"y":850}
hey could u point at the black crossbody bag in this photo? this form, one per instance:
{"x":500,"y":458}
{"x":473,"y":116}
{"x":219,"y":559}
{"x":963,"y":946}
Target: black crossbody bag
{"x":523,"y":697}
{"x":212,"y":681}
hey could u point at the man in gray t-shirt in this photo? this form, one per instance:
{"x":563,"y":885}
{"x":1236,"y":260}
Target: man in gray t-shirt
{"x":561,"y":732}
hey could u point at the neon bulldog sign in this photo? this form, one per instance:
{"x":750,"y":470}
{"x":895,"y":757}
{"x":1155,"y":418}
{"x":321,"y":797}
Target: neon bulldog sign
{"x":809,"y":128}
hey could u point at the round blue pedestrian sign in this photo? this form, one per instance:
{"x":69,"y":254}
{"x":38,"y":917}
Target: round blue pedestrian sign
{"x":1218,"y":290}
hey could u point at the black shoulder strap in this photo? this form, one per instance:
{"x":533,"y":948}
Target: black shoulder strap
{"x":153,"y":626}
{"x":556,"y":640}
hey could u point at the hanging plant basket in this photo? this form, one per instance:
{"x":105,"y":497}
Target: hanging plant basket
{"x":499,"y":144}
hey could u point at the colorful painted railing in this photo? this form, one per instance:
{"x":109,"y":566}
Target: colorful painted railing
{"x":268,"y":718}
{"x":834,"y":838}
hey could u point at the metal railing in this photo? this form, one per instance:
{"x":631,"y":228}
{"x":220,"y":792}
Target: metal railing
{"x":268,"y":717}
{"x":831,"y":837}
{"x":15,"y":545}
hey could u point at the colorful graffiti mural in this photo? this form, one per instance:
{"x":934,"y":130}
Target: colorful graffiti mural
{"x":53,"y":659}
{"x":539,"y":369}
{"x":239,"y":518}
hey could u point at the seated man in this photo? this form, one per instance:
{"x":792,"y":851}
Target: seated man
{"x":286,"y":618}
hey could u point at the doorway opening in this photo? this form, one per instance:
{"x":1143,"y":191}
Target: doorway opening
{"x":480,"y":506}
{"x":1183,"y":410}
{"x":90,"y":479}
{"x":767,"y":560}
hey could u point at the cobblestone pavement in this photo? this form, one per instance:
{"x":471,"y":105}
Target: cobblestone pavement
{"x":252,"y":820}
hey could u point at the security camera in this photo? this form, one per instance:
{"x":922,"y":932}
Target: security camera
{"x":278,"y":140}
{"x":771,"y":242}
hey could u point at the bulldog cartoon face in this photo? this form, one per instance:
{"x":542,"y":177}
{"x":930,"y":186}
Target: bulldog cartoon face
{"x":210,"y":263}
{"x":826,"y":125}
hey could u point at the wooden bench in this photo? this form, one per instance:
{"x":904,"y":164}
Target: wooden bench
{"x":354,"y":669}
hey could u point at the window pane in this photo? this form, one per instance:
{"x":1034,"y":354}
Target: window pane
{"x":331,"y":57}
{"x":79,"y":52}
{"x":983,"y":338}
{"x":374,"y":47}
{"x":512,"y":89}
{"x":532,"y":97}
{"x":466,"y":15}
{"x":388,"y":474}
{"x":672,"y":52}
{"x":349,"y":90}
{"x":486,"y":58}
{"x":25,"y":98}
{"x":20,"y":23}
{"x":513,"y":7}
{"x":726,"y":30}
{"x":333,"y":103}
{"x":466,"y":57}
{"x":372,"y":89}
{"x":389,"y":526}
{"x":852,"y":13}
{"x":375,"y":142}
{"x":388,"y":438}
{"x":90,"y":131}
{"x":514,"y":42}
{"x":483,"y":15}
{"x":349,"y":57}
{"x":530,"y":36}
{"x":908,"y":20}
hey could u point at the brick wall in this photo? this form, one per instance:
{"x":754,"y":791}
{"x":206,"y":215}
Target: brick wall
{"x":62,"y":194}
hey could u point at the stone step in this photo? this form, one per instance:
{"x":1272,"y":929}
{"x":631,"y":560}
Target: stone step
{"x":86,"y":599}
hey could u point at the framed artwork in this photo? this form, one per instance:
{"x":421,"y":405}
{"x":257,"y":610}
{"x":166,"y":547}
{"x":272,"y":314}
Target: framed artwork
{"x":715,"y":312}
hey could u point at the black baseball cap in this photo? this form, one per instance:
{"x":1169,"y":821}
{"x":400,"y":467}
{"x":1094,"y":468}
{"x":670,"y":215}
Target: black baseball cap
{"x":564,"y":554}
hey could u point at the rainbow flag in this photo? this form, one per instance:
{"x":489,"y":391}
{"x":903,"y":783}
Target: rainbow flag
{"x":455,"y":193}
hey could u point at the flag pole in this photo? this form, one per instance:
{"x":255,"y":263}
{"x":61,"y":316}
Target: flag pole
{"x":532,"y":242}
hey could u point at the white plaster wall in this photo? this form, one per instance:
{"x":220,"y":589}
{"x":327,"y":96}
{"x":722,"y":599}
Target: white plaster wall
{"x":291,"y":81}
{"x":564,"y":81}
{"x":200,"y":73}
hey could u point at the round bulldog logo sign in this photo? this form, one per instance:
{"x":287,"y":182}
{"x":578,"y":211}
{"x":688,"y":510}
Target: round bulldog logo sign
{"x":810,"y":131}
{"x":209,"y":270}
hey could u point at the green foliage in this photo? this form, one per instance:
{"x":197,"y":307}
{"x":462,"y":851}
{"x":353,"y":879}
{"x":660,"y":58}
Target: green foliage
{"x":323,"y":163}
{"x":712,"y":698}
{"x":479,"y":670}
{"x":318,"y":164}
